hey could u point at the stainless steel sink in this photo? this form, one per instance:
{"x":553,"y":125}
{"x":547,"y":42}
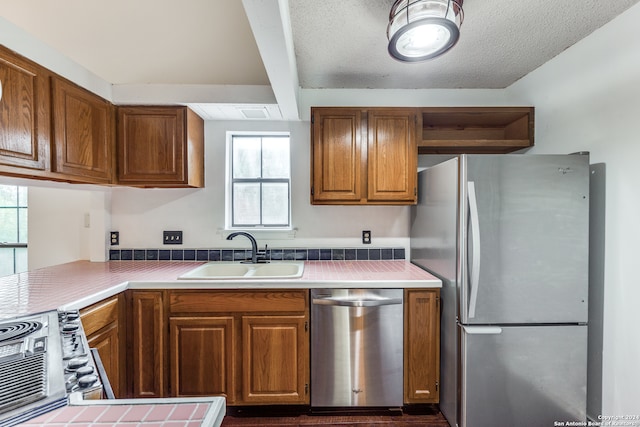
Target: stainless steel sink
{"x":235,"y":270}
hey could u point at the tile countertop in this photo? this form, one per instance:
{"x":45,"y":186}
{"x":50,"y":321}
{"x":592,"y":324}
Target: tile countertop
{"x":82,"y":283}
{"x":173,"y":412}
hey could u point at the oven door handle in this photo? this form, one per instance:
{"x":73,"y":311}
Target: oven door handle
{"x":338,"y":302}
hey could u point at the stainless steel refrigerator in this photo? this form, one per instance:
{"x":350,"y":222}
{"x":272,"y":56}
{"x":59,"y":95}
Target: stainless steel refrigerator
{"x":508,"y":235}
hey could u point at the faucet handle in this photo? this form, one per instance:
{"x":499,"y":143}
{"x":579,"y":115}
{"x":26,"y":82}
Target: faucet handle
{"x":262,"y":255}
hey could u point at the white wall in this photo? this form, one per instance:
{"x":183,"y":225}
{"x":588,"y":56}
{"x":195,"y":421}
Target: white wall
{"x":66,"y":224}
{"x":56,"y":226}
{"x":140,"y":215}
{"x":588,"y":99}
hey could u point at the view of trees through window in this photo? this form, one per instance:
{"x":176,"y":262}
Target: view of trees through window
{"x":13,"y":229}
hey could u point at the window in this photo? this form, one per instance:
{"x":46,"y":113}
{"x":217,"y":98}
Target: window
{"x":260,"y":181}
{"x":13,"y":229}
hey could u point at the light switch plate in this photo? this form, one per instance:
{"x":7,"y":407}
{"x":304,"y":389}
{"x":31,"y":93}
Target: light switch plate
{"x":172,"y":237}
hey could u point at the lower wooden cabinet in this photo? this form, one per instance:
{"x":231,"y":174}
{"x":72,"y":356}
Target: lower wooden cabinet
{"x":103,"y":325}
{"x":275,"y":359}
{"x":253,"y":346}
{"x":203,"y":356}
{"x":422,"y":346}
{"x":250,"y":346}
{"x":147,"y":363}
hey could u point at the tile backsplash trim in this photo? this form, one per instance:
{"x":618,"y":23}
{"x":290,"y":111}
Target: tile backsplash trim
{"x":339,"y":254}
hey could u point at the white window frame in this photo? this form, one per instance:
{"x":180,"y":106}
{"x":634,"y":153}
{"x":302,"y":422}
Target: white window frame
{"x":259,"y":230}
{"x":21,"y":243}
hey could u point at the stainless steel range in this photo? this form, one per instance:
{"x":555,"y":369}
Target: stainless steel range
{"x":43,"y":358}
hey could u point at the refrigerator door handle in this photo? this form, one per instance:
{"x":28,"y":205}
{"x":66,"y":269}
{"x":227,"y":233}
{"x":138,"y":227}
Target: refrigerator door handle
{"x":475,"y":246}
{"x":482,"y":330}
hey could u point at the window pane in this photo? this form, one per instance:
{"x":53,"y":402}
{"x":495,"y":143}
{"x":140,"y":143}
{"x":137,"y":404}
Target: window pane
{"x":8,"y":195}
{"x":21,"y":260}
{"x":8,"y":225}
{"x":22,"y":197}
{"x":246,"y":203}
{"x":6,"y":261}
{"x":246,"y":157}
{"x":275,"y":156}
{"x":275,"y":204}
{"x":23,"y":233}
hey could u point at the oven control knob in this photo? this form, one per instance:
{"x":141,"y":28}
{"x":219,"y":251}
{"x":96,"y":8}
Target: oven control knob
{"x":87,"y":381}
{"x":84,"y":370}
{"x":72,"y":315}
{"x":70,"y":327}
{"x":77,"y":362}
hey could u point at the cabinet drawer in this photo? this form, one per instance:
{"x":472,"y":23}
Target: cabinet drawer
{"x":238,"y":301}
{"x":99,"y":315}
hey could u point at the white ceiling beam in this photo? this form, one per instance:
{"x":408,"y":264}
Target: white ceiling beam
{"x":271,"y":26}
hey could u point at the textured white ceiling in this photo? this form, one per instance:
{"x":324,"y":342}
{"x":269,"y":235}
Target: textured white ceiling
{"x":337,"y":44}
{"x":343,"y":43}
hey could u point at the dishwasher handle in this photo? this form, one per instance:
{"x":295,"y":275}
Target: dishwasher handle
{"x":339,"y":302}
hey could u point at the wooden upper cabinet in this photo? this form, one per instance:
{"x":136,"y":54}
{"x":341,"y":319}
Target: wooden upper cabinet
{"x":492,"y":130}
{"x":337,"y":155}
{"x":363,"y":156}
{"x":160,"y":147}
{"x":24,"y":115}
{"x":84,"y":126}
{"x":392,"y":159}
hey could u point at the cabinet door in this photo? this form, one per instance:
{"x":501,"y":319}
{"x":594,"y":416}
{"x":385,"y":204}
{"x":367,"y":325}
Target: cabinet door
{"x":83,"y":133}
{"x":148,"y":361}
{"x":102,"y":324}
{"x":107,"y":342}
{"x":24,"y":114}
{"x":202,"y":356}
{"x":337,"y":156}
{"x":160,"y":146}
{"x":392,"y":155}
{"x":275,"y":359}
{"x":422,"y":346}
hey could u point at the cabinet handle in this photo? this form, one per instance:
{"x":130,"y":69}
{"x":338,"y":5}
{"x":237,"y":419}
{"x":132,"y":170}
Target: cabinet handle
{"x":0,"y":90}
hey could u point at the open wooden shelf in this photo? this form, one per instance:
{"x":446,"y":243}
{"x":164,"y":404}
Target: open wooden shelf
{"x":456,"y":130}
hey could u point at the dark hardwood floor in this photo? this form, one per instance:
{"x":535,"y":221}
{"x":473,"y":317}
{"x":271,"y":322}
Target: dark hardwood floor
{"x":429,"y":418}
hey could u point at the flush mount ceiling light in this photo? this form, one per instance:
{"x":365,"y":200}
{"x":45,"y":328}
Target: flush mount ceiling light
{"x":423,"y":29}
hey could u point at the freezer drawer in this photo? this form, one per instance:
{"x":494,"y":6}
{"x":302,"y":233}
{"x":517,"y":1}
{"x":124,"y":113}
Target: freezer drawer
{"x":523,"y":375}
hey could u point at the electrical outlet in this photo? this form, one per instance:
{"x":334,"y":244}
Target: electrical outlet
{"x":172,"y":237}
{"x":366,"y":237}
{"x":115,"y":238}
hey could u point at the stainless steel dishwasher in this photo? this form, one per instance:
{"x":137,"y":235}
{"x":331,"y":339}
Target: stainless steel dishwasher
{"x":356,"y":347}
